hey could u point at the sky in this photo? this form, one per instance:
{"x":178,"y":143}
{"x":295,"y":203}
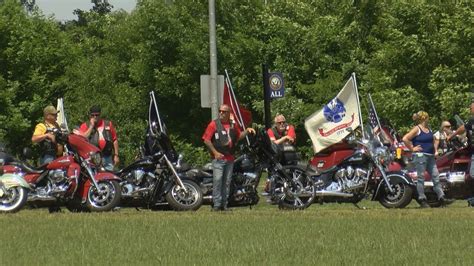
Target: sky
{"x":62,"y":9}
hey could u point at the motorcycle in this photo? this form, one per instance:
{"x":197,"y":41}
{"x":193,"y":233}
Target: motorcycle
{"x":13,"y":189}
{"x":350,"y":171}
{"x":75,"y":179}
{"x":453,"y":167}
{"x":157,"y":178}
{"x":288,"y":188}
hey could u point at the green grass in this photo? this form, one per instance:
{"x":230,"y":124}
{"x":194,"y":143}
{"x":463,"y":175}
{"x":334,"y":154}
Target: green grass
{"x":328,"y":234}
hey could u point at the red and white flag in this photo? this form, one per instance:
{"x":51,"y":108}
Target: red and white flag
{"x":241,"y":115}
{"x":328,"y":125}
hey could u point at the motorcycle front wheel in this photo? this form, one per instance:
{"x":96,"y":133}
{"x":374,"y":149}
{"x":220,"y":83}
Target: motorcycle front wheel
{"x":13,"y":199}
{"x":105,"y":197}
{"x":298,"y":192}
{"x":189,"y":199}
{"x":401,"y":196}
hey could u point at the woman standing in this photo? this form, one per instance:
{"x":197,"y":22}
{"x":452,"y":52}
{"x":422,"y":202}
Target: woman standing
{"x":420,"y":141}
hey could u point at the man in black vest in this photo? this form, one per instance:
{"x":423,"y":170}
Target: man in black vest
{"x":469,"y":128}
{"x":102,"y":134}
{"x":221,"y":137}
{"x":43,"y":135}
{"x":282,"y":132}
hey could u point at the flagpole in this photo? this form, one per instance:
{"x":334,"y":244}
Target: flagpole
{"x":234,"y":100}
{"x":358,"y":103}
{"x":152,"y":94}
{"x":377,"y":117}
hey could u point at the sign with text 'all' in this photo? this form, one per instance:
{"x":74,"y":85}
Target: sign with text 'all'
{"x":277,"y":87}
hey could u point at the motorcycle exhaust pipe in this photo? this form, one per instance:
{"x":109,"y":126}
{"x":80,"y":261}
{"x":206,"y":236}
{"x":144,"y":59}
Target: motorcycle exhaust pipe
{"x":323,"y":193}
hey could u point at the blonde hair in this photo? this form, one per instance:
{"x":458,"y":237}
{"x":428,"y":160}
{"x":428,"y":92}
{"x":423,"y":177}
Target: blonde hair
{"x":421,"y":116}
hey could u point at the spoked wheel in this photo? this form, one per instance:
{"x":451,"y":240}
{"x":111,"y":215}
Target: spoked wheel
{"x":299,"y":191}
{"x":12,"y":199}
{"x":189,"y":199}
{"x":400,"y":197}
{"x":105,"y":197}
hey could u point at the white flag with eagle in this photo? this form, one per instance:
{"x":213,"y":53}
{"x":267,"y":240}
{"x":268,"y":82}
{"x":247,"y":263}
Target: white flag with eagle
{"x":329,"y":125}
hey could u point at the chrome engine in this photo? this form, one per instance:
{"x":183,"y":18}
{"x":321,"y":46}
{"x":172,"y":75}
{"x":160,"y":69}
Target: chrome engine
{"x":347,"y":179}
{"x":56,"y":186}
{"x":137,"y":183}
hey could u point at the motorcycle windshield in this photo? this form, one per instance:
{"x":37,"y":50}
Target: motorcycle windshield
{"x":81,"y":145}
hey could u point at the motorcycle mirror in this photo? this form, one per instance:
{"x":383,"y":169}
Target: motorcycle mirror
{"x":27,"y":153}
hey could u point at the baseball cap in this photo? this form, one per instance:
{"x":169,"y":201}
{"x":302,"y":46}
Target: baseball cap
{"x":94,"y":109}
{"x":50,"y":110}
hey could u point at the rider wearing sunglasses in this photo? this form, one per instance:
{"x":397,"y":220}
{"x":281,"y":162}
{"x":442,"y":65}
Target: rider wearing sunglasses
{"x":102,"y":134}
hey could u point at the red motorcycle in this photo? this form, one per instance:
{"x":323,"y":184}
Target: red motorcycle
{"x":454,"y":176}
{"x":76,"y":180}
{"x":350,"y":171}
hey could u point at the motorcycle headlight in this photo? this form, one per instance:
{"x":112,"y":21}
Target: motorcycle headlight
{"x":383,"y":155}
{"x":96,"y":158}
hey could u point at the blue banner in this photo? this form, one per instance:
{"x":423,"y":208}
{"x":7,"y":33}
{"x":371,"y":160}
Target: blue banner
{"x":277,"y":87}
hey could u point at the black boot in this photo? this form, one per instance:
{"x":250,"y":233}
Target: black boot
{"x":444,"y":201}
{"x":424,"y":203}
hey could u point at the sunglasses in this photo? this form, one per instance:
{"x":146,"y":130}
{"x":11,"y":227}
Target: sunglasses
{"x":223,"y":111}
{"x":281,"y":122}
{"x":447,"y":126}
{"x":94,"y":115}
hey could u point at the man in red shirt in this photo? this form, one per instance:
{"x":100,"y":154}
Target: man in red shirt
{"x":221,"y":137}
{"x":102,"y":134}
{"x":281,"y":132}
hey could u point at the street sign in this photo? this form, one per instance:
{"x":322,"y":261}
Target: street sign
{"x":277,"y":87}
{"x":206,"y":90}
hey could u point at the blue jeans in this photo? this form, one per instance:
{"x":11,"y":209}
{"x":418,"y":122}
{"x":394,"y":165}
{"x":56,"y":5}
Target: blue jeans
{"x":108,"y":163}
{"x":471,"y":169}
{"x":222,"y":174}
{"x":46,"y":159}
{"x":426,"y":162}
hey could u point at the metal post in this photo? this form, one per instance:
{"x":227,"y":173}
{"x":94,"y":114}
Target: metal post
{"x":213,"y":58}
{"x":266,"y":97}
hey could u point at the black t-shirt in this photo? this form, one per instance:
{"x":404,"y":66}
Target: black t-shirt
{"x":469,"y":127}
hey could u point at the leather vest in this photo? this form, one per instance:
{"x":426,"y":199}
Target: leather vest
{"x":47,"y":146}
{"x":221,"y":138}
{"x":94,"y":138}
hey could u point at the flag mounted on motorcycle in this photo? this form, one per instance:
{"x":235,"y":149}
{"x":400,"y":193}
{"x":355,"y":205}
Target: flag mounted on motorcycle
{"x":329,"y":125}
{"x":241,"y":115}
{"x":382,"y":132}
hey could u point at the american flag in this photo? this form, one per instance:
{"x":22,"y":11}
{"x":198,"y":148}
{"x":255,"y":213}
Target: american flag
{"x":373,"y":118}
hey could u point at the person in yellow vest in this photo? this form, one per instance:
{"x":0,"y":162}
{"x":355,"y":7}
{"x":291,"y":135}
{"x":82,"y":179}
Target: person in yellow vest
{"x":44,"y":136}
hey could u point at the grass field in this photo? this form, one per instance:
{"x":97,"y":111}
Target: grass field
{"x":331,"y":234}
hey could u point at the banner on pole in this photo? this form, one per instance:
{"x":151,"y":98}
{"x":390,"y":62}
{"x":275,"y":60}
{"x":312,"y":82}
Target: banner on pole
{"x":277,"y":86}
{"x":328,"y":125}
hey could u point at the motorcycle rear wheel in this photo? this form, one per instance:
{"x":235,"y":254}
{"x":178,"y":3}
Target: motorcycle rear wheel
{"x":299,"y":192}
{"x":13,"y":200}
{"x":179,"y":200}
{"x":105,"y":198}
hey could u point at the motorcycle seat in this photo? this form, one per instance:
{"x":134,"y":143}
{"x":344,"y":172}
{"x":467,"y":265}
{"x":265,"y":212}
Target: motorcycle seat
{"x":27,"y":168}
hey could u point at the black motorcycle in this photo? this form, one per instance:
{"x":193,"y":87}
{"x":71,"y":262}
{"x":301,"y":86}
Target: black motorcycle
{"x":289,"y":189}
{"x":156,"y":178}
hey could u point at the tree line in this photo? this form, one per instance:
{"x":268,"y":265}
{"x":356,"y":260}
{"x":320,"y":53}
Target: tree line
{"x":409,"y":55}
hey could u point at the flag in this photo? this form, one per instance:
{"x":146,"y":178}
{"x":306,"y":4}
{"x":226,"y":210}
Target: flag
{"x":379,"y":131}
{"x":328,"y":125}
{"x":241,"y":115}
{"x":61,"y":118}
{"x":373,"y":118}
